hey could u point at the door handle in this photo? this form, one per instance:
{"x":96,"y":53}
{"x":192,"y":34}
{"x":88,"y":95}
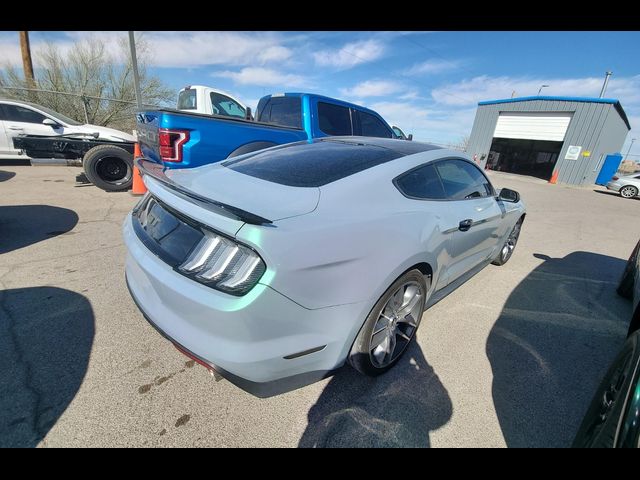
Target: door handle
{"x":16,"y":128}
{"x":465,"y":225}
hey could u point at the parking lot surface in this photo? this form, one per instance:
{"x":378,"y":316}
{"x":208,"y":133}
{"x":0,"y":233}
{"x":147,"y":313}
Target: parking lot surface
{"x":511,"y":358}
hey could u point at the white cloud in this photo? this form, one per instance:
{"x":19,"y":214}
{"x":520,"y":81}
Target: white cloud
{"x":372,"y":88}
{"x":179,"y":49}
{"x":427,"y":124}
{"x":260,"y":76}
{"x":275,"y":53}
{"x":432,"y":67}
{"x":351,"y":54}
{"x":466,"y":92}
{"x":10,"y":52}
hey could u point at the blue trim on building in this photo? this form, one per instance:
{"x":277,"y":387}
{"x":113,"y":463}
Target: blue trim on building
{"x":561,"y":99}
{"x":613,"y":101}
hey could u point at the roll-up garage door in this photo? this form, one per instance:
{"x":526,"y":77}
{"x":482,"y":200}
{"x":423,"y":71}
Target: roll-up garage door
{"x":533,"y":126}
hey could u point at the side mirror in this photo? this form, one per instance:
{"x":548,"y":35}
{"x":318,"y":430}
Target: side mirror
{"x":51,"y":123}
{"x":410,"y":137}
{"x":248,"y":114}
{"x":508,"y":195}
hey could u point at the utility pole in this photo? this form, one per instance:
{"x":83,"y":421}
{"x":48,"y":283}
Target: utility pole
{"x":134,"y":63}
{"x":27,"y":64}
{"x":626,"y":157}
{"x":604,"y":85}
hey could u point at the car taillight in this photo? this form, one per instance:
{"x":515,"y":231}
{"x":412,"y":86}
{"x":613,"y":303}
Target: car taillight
{"x":224,"y":265}
{"x":171,"y":142}
{"x":615,"y":178}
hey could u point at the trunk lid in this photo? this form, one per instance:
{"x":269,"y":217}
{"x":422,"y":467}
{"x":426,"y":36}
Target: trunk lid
{"x":259,"y":197}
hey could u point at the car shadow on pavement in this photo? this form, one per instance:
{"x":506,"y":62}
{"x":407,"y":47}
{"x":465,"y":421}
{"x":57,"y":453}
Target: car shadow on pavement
{"x":396,"y":409}
{"x":23,"y":225}
{"x":4,"y":175}
{"x":46,"y":335}
{"x":552,"y":343}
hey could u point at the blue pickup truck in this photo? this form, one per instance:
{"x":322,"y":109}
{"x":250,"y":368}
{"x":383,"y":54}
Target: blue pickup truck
{"x":184,"y":140}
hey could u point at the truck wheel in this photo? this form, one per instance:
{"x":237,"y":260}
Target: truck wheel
{"x":109,"y":167}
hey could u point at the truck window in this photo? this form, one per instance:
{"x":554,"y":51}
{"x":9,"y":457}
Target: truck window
{"x":283,"y":111}
{"x":223,"y":105}
{"x":334,"y":119}
{"x":372,"y":126}
{"x":187,"y":100}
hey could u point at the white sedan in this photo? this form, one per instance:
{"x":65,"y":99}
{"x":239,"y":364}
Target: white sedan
{"x":276,"y":267}
{"x":627,"y":186}
{"x":25,"y":118}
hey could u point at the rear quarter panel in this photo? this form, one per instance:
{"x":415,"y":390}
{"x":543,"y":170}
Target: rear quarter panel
{"x":361,"y":237}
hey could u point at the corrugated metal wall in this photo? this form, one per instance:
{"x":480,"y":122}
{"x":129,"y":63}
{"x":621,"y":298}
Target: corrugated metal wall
{"x":596,"y":127}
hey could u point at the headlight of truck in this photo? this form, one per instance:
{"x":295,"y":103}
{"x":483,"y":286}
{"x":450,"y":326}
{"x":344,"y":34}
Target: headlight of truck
{"x":224,"y":265}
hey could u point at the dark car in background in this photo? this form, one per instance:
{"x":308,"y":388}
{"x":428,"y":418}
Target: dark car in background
{"x":613,"y":418}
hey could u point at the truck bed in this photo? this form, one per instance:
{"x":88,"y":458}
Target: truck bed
{"x":212,"y":138}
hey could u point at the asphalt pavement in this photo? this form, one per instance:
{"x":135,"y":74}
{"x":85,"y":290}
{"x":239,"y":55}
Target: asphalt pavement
{"x":511,"y":358}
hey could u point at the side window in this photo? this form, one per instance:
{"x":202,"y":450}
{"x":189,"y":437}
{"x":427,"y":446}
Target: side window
{"x":16,"y":113}
{"x":334,"y":119}
{"x":371,"y":126}
{"x":283,"y":111}
{"x":422,"y":182}
{"x":223,"y":105}
{"x":462,"y":180}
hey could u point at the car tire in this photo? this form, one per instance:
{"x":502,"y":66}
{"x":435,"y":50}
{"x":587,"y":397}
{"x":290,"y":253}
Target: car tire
{"x":507,"y":249}
{"x":601,"y":425}
{"x":390,"y":322}
{"x":625,"y":287}
{"x":109,"y":167}
{"x":629,"y":191}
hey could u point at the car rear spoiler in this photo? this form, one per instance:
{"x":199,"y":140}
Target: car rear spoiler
{"x":156,"y":171}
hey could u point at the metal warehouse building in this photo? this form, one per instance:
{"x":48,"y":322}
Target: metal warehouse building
{"x":563,"y":139}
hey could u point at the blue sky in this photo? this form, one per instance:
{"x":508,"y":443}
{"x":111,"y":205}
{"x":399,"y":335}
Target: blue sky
{"x":428,"y":83}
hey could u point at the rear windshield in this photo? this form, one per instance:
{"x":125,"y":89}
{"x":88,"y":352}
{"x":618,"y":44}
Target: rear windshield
{"x":312,"y":165}
{"x":282,"y":111}
{"x":187,"y":100}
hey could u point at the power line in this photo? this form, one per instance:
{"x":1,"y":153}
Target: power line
{"x":81,"y":95}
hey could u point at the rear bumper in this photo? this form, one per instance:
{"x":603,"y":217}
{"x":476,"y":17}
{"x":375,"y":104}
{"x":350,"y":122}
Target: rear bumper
{"x":262,"y":342}
{"x":258,"y":389}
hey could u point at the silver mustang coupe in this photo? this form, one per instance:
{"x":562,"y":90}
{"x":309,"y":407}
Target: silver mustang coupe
{"x":276,"y":267}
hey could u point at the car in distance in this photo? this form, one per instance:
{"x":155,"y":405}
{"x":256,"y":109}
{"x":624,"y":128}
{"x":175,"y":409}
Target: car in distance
{"x":400,"y":134}
{"x":613,"y":417}
{"x":627,"y":186}
{"x":276,"y":267}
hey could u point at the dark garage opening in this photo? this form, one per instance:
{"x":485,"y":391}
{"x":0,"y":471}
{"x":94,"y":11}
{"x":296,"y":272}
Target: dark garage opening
{"x":525,"y":157}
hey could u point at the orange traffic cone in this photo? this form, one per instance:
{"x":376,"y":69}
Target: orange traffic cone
{"x":554,"y":177}
{"x":139,"y":187}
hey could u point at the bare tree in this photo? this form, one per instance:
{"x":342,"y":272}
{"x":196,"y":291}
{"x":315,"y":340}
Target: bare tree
{"x":462,"y":144}
{"x":88,"y":69}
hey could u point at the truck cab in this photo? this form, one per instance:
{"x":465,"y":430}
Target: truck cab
{"x":321,"y":116}
{"x":211,"y":101}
